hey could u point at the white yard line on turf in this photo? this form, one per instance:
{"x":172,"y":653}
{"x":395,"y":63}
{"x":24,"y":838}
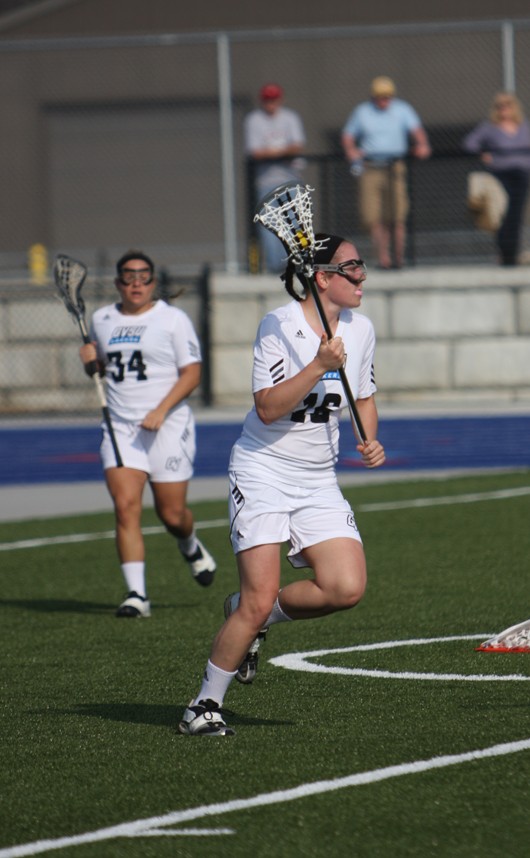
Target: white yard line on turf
{"x":444,"y":500}
{"x":149,"y":826}
{"x":299,"y":661}
{"x":104,"y":534}
{"x":447,"y":500}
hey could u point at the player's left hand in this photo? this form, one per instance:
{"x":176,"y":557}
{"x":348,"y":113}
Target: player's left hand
{"x":373,"y":454}
{"x":153,"y":420}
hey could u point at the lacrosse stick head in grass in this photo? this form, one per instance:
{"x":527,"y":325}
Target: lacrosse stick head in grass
{"x":513,"y":639}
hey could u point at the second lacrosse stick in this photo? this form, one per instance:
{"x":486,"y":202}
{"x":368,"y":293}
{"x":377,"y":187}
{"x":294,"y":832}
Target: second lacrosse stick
{"x":69,"y":276}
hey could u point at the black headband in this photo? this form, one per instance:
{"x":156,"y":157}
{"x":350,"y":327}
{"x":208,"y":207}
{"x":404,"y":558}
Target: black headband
{"x":328,"y":251}
{"x":331,"y":243}
{"x":134,"y":254}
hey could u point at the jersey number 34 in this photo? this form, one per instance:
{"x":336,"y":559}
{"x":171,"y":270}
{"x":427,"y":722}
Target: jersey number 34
{"x":135,"y":364}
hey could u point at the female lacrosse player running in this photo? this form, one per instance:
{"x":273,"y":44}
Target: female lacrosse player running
{"x":283,"y":485}
{"x":151,"y":359}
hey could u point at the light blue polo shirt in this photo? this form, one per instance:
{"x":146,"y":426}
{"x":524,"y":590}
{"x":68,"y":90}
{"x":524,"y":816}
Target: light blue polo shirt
{"x":384,"y":133}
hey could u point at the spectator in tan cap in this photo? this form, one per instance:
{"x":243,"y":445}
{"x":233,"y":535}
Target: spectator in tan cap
{"x":274,"y":137}
{"x":376,"y":138}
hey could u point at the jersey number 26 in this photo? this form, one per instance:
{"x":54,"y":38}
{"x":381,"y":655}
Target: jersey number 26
{"x":317,"y":413}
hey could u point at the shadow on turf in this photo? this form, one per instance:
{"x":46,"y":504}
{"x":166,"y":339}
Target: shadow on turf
{"x":45,"y":606}
{"x":73,"y":606}
{"x":155,"y":715}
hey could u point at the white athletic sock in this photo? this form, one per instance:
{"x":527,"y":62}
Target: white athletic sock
{"x":214,"y":684}
{"x":189,"y":545}
{"x":134,"y":574}
{"x":277,"y":615}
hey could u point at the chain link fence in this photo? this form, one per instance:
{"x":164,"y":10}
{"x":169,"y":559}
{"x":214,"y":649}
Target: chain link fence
{"x":112,"y":143}
{"x":40,"y":368}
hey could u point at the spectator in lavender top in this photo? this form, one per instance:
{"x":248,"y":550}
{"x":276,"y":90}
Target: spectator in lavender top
{"x":503,"y":144}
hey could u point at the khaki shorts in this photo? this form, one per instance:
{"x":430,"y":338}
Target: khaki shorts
{"x":167,"y":455}
{"x":383,"y":194}
{"x":264,"y":512}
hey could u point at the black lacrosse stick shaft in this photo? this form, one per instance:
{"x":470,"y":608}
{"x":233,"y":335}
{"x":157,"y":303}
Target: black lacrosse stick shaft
{"x":307,"y":273}
{"x":108,"y":423}
{"x":92,"y":369}
{"x":310,"y":280}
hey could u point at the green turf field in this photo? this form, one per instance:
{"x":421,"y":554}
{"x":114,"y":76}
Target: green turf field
{"x":362,"y":752}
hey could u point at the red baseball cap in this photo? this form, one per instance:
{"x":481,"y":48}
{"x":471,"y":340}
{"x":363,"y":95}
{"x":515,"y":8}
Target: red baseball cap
{"x":270,"y":92}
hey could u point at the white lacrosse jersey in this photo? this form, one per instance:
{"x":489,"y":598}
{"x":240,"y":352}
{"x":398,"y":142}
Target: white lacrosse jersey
{"x":142,"y":356}
{"x":306,"y":440}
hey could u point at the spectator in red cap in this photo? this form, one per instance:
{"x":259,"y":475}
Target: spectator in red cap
{"x":270,"y":92}
{"x":274,"y":140}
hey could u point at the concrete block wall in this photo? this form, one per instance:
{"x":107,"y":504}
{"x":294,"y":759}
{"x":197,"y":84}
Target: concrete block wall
{"x":40,"y":370}
{"x":445,"y":333}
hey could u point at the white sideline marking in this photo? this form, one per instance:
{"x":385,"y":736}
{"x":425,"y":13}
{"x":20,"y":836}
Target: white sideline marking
{"x":94,"y":537}
{"x":444,"y":500}
{"x":141,"y":827}
{"x":297,"y":661}
{"x":182,"y":832}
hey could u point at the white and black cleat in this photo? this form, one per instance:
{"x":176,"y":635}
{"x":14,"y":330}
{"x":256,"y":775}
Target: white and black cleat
{"x":204,"y":719}
{"x":202,"y":565}
{"x":134,"y":606}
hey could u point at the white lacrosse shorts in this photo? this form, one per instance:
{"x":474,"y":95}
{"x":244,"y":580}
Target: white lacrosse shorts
{"x":167,"y":455}
{"x":262,"y":514}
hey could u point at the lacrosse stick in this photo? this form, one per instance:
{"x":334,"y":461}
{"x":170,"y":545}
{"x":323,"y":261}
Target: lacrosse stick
{"x":288,"y":213}
{"x":513,"y":639}
{"x":69,"y":276}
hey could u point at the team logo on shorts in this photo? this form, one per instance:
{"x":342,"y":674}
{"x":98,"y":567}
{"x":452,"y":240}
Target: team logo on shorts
{"x":351,"y":521}
{"x":173,"y":463}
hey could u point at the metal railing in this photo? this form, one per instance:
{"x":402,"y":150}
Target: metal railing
{"x":94,"y":136}
{"x":440,"y":227}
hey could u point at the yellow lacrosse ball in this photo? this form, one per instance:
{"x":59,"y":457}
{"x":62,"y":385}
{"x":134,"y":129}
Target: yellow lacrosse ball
{"x":302,"y":240}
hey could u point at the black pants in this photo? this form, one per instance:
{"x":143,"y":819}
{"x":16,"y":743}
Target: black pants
{"x":515,"y":183}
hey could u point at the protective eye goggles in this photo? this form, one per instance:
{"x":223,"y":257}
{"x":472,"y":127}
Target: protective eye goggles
{"x":349,"y":268}
{"x":129,"y":275}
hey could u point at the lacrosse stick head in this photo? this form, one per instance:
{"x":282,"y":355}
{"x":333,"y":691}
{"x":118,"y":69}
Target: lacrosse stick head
{"x":287,"y":211}
{"x":69,"y":276}
{"x":513,"y":639}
